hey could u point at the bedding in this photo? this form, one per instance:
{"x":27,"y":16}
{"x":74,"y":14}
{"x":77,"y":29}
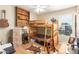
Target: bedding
{"x":42,"y":36}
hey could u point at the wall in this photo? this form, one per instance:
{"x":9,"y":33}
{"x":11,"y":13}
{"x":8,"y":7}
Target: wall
{"x":33,"y":16}
{"x":48,"y":15}
{"x":10,"y":18}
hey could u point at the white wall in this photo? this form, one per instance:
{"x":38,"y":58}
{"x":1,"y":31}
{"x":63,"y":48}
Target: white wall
{"x":33,"y":16}
{"x":48,"y":15}
{"x":10,"y":18}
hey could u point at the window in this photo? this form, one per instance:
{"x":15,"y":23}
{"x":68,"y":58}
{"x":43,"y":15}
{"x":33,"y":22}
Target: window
{"x":65,"y":24}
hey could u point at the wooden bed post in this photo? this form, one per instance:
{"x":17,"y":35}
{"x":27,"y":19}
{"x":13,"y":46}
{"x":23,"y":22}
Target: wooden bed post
{"x":52,"y":38}
{"x":54,"y":41}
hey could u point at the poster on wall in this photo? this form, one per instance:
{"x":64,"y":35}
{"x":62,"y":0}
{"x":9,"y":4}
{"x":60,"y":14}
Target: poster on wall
{"x":65,"y":24}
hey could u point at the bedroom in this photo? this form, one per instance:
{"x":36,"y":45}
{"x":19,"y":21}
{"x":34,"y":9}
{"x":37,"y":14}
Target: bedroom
{"x":25,"y":21}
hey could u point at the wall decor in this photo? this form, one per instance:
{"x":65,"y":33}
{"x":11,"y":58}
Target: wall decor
{"x":3,"y":21}
{"x":22,"y":17}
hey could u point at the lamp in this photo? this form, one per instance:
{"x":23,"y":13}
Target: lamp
{"x":40,"y":8}
{"x":3,"y":20}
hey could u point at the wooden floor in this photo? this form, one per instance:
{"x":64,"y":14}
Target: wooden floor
{"x":22,"y":49}
{"x":63,"y":48}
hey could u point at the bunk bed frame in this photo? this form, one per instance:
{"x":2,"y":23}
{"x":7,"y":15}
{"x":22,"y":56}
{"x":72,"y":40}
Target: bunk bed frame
{"x":49,"y":43}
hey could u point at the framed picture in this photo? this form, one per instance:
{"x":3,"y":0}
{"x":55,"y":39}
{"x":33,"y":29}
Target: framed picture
{"x":22,"y":17}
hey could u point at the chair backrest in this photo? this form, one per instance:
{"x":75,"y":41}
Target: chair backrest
{"x":6,"y":45}
{"x":8,"y":48}
{"x":71,"y":40}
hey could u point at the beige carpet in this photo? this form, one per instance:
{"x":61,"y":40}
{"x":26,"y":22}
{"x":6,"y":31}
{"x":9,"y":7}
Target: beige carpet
{"x":63,"y":48}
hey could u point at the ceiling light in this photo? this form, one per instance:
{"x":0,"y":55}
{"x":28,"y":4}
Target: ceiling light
{"x":40,"y":8}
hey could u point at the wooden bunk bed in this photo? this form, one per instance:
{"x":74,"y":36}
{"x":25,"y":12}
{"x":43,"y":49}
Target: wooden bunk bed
{"x":49,"y":35}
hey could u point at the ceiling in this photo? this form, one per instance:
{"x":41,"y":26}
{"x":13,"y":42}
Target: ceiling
{"x":40,"y":9}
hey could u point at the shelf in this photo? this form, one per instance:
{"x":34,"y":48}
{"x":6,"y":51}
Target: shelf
{"x":22,"y":17}
{"x":23,"y":14}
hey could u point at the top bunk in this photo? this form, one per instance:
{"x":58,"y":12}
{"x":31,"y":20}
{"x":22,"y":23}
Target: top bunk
{"x":39,"y":23}
{"x":43,"y":24}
